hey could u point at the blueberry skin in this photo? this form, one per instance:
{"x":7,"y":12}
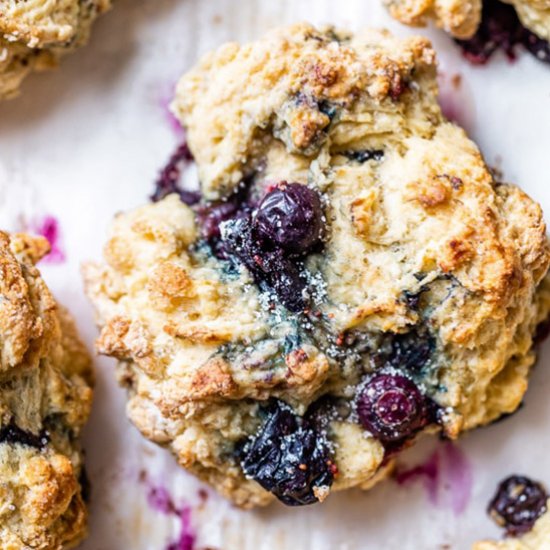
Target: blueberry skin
{"x":517,"y":504}
{"x":501,"y":28}
{"x":14,"y":435}
{"x":287,"y":457}
{"x":290,"y":217}
{"x":271,"y":267}
{"x":391,"y":408}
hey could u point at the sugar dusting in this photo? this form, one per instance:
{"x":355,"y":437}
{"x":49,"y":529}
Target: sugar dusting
{"x":49,"y":228}
{"x":447,"y":477}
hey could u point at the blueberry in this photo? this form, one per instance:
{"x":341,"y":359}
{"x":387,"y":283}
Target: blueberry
{"x":517,"y":504}
{"x":290,"y":217}
{"x":270,"y":268}
{"x":537,"y":46}
{"x":169,"y":178}
{"x":391,"y":407}
{"x":411,"y":351}
{"x":364,"y":155}
{"x":501,"y":28}
{"x":287,"y":457}
{"x":14,"y":435}
{"x":211,"y":216}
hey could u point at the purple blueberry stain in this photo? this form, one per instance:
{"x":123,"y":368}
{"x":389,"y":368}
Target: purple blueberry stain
{"x":458,"y":478}
{"x":170,"y":177}
{"x":428,"y":472}
{"x":517,"y":504}
{"x":447,"y":476}
{"x":165,"y":99}
{"x":186,"y":539}
{"x":49,"y":228}
{"x":161,"y":501}
{"x":501,"y":29}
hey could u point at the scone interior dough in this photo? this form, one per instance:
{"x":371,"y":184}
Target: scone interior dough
{"x":45,"y":398}
{"x":461,"y":18}
{"x":424,"y":253}
{"x":34,"y":34}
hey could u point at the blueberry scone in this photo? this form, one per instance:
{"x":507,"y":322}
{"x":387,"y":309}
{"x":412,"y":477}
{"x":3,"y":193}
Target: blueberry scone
{"x":352,"y":276}
{"x":35,"y":34}
{"x":520,"y":505}
{"x":45,"y":396}
{"x":483,"y":27}
{"x":461,"y":18}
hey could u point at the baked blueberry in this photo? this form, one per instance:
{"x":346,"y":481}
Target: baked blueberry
{"x":517,"y":504}
{"x":290,"y":217}
{"x":391,"y":407}
{"x":289,"y":458}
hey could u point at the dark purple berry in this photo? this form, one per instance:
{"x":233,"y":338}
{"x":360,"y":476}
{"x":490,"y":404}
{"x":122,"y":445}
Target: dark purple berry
{"x":364,"y":155}
{"x":391,"y":408}
{"x":168,"y":181}
{"x":501,"y":28}
{"x":411,"y":351}
{"x":288,"y":457}
{"x":271,"y":268}
{"x":290,"y":217}
{"x":537,"y":46}
{"x":211,"y":216}
{"x":517,"y":504}
{"x":14,"y":435}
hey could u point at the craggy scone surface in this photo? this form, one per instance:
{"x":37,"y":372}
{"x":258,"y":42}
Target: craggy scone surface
{"x":45,"y":397}
{"x":308,"y":366}
{"x":34,"y":34}
{"x":461,"y":18}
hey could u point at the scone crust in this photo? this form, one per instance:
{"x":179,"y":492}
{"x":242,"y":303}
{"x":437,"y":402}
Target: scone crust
{"x":422,"y":215}
{"x":457,"y":17}
{"x":461,"y":19}
{"x":35,"y":34}
{"x":45,"y":398}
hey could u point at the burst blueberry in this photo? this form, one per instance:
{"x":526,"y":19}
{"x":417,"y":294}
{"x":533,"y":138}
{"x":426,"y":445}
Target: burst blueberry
{"x":517,"y":504}
{"x":391,"y":408}
{"x":288,"y":457}
{"x":270,"y":268}
{"x":290,"y":217}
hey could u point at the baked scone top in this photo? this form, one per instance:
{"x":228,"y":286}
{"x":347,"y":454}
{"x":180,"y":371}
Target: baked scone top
{"x":461,"y":18}
{"x":34,"y":34}
{"x":428,"y":271}
{"x":45,"y":397}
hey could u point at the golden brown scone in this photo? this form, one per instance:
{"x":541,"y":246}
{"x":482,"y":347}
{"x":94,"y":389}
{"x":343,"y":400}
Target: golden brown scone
{"x":457,"y":17}
{"x":45,"y":398}
{"x":461,"y":18}
{"x":35,"y":34}
{"x":357,"y":278}
{"x":536,"y":539}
